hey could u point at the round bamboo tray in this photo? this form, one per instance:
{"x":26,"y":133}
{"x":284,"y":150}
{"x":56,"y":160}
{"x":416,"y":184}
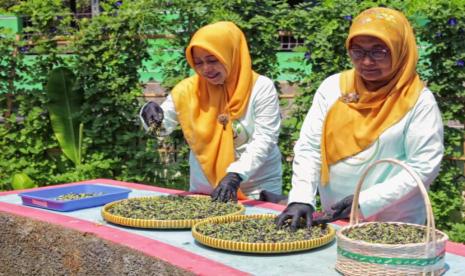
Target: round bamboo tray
{"x":263,"y":248}
{"x":155,"y":223}
{"x":355,"y":257}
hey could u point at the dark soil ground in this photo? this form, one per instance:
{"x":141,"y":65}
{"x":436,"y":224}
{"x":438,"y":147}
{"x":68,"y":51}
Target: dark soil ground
{"x":30,"y":247}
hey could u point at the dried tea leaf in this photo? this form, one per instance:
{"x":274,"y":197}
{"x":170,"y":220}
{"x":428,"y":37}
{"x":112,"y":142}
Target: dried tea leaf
{"x":73,"y":196}
{"x":260,"y":230}
{"x":387,"y":233}
{"x":172,"y":207}
{"x":154,"y":128}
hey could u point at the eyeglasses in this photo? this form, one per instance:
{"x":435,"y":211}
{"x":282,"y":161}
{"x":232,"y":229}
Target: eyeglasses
{"x":375,"y":54}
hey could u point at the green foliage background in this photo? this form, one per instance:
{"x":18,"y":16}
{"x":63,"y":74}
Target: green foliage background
{"x":107,"y":52}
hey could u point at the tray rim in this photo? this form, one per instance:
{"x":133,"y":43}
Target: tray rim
{"x":33,"y":199}
{"x":261,"y":248}
{"x":157,"y":223}
{"x":31,"y":194}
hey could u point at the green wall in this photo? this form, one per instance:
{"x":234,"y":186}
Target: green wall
{"x":287,"y":60}
{"x":11,"y":22}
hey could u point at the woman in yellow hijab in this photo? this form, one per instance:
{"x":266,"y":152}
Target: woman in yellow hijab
{"x":229,"y":116}
{"x":379,"y":109}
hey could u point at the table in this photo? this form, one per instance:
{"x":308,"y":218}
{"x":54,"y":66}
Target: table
{"x":179,"y":249}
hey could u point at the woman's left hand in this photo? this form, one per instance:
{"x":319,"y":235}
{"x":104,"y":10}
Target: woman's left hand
{"x":342,"y":208}
{"x":227,"y":188}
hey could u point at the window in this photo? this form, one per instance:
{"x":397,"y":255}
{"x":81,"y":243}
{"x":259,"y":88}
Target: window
{"x":287,"y":41}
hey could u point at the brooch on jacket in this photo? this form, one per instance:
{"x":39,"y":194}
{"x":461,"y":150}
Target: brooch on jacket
{"x":352,"y":97}
{"x":223,"y":119}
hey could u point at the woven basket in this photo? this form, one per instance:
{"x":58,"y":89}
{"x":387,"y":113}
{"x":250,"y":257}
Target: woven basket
{"x":250,"y":247}
{"x":355,"y":257}
{"x":154,"y":223}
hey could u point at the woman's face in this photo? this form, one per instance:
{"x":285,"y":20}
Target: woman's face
{"x":372,"y":60}
{"x":208,"y":66}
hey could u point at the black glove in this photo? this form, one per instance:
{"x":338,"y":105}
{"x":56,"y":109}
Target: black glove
{"x":295,"y":211}
{"x":342,"y":208}
{"x":341,"y":211}
{"x":272,"y":197}
{"x":152,"y":114}
{"x":227,"y":189}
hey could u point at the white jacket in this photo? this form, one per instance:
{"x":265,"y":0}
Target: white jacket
{"x":388,"y":193}
{"x":258,"y":159}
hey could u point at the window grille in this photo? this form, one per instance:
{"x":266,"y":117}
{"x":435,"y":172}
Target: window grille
{"x":287,"y":41}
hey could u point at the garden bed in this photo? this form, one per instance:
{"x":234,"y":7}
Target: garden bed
{"x":30,"y":247}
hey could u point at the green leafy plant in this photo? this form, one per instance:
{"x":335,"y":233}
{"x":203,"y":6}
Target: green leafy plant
{"x":64,"y":108}
{"x":457,"y":232}
{"x":444,"y":32}
{"x":27,"y":135}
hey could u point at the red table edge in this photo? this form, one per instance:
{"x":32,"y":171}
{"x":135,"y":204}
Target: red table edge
{"x":181,"y":258}
{"x":451,"y":247}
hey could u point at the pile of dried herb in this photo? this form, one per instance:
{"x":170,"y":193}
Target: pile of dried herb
{"x":154,"y":129}
{"x":73,"y":196}
{"x":387,"y":233}
{"x":172,"y":208}
{"x":260,"y":230}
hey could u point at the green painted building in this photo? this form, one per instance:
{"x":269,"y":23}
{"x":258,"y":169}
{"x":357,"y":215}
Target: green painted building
{"x":287,"y":59}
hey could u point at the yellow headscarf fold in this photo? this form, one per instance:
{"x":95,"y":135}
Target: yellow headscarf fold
{"x":349,"y":128}
{"x":198,"y":103}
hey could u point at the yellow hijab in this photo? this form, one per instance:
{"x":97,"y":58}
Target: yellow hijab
{"x":198,"y":103}
{"x":349,"y":128}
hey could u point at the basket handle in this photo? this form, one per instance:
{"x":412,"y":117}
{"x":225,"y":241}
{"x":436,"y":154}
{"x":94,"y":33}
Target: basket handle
{"x":354,"y":218}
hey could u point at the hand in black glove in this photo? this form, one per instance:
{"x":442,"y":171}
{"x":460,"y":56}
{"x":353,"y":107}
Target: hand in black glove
{"x":341,"y":211}
{"x":152,"y":115}
{"x":342,"y":208}
{"x":295,"y":211}
{"x":227,"y":188}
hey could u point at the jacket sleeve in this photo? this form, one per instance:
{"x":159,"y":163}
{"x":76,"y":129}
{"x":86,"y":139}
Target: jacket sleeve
{"x":267,"y":122}
{"x":306,"y":165}
{"x":424,"y":150}
{"x":170,"y":120}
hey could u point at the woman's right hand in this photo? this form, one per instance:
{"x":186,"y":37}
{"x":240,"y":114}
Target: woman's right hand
{"x":152,"y":114}
{"x":295,"y":211}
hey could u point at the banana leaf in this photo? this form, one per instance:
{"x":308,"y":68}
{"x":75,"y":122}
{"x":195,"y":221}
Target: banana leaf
{"x":64,"y":106}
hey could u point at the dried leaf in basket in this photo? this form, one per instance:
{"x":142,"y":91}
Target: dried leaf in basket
{"x":171,"y":208}
{"x":260,"y":230}
{"x":387,"y":233}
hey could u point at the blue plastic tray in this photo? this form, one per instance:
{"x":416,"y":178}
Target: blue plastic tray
{"x":47,"y":198}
